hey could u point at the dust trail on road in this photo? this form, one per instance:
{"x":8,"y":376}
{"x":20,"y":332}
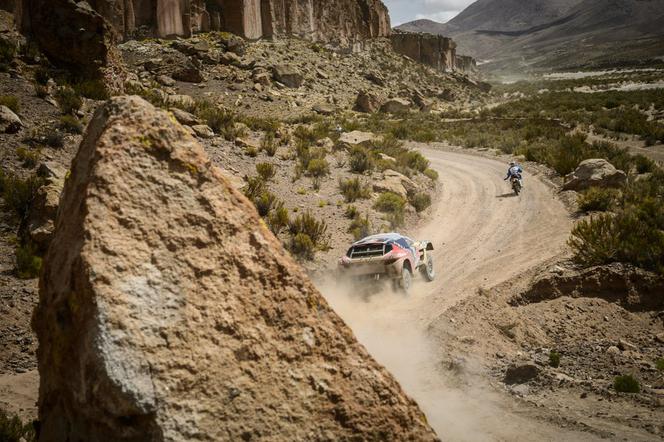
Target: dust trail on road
{"x":482,"y":236}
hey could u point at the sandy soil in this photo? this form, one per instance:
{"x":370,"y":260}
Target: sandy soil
{"x":483,"y":236}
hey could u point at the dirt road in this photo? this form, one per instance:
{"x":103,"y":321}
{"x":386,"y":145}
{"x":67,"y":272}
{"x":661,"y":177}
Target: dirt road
{"x":483,"y":236}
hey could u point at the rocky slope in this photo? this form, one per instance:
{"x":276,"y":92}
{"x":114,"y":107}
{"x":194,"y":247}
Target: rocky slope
{"x":555,"y":34}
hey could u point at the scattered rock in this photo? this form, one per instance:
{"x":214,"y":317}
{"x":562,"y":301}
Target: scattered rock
{"x":395,"y":182}
{"x":624,"y":345}
{"x":44,"y":207}
{"x":324,"y":109}
{"x":520,"y":374}
{"x":203,"y":131}
{"x":357,"y":137}
{"x":288,"y":76}
{"x":184,"y":117}
{"x":10,"y":123}
{"x":447,"y":95}
{"x":594,"y":172}
{"x":165,"y":80}
{"x":396,"y":106}
{"x":230,"y":58}
{"x":613,"y":350}
{"x":367,"y":102}
{"x":375,"y":78}
{"x":188,"y":73}
{"x":189,"y":318}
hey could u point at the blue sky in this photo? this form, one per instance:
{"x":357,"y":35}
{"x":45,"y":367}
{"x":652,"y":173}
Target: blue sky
{"x":402,"y":11}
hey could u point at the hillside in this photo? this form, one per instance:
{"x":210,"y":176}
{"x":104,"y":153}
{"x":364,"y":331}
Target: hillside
{"x":511,"y":36}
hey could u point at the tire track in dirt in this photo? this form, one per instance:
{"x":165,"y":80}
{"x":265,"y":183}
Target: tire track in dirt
{"x":482,"y":236}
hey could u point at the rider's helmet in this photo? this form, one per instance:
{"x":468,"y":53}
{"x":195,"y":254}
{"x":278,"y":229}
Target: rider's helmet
{"x":512,"y":163}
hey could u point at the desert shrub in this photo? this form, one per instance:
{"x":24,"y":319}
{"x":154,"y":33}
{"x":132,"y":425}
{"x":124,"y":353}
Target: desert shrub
{"x":153,"y":96}
{"x":393,"y":206}
{"x":264,"y":202}
{"x":28,"y":264}
{"x":351,"y":212}
{"x":7,"y":52}
{"x":318,"y":167}
{"x":659,"y":364}
{"x":597,"y":199}
{"x":431,"y":174}
{"x":571,"y":151}
{"x":626,"y":384}
{"x":255,"y":186}
{"x":311,"y":134}
{"x":278,"y":219}
{"x":54,"y":139}
{"x":11,"y":101}
{"x":415,"y":160}
{"x":18,"y":193}
{"x":353,"y":189}
{"x":70,"y":123}
{"x":42,"y":75}
{"x":268,"y":144}
{"x":94,"y":89}
{"x":29,"y":158}
{"x":266,"y":171}
{"x":360,"y":227}
{"x":13,"y":430}
{"x":302,"y":246}
{"x":269,"y":125}
{"x":68,"y":100}
{"x":554,"y":359}
{"x":221,"y":121}
{"x":360,"y":160}
{"x":419,"y":200}
{"x":643,"y":164}
{"x":306,"y":223}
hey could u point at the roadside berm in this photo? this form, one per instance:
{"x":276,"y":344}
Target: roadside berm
{"x":168,"y":311}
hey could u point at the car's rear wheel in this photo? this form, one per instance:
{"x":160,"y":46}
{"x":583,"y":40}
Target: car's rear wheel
{"x":427,"y":270}
{"x":406,"y":280}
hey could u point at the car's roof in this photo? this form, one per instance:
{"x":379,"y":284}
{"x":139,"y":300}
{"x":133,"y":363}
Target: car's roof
{"x":381,"y":238}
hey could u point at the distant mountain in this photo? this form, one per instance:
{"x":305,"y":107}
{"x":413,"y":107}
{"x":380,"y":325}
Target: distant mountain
{"x":539,"y":34}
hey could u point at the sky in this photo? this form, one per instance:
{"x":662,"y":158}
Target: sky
{"x":402,"y":11}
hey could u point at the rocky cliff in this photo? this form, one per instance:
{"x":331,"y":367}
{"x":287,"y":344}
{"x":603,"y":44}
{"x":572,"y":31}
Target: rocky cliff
{"x":168,"y":311}
{"x":434,"y":50}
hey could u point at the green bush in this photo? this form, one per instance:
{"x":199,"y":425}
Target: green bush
{"x":318,"y":167}
{"x":94,"y":89}
{"x":18,"y":193}
{"x":13,"y":430}
{"x":221,"y":121}
{"x":255,"y":186}
{"x":42,"y":75}
{"x":29,"y":158}
{"x":278,"y":219}
{"x":11,"y":101}
{"x":393,"y":206}
{"x":360,"y":160}
{"x":266,"y":171}
{"x":314,"y":229}
{"x":420,"y":200}
{"x":269,"y":145}
{"x":69,"y":100}
{"x":265,"y":202}
{"x":643,"y":164}
{"x":54,"y":139}
{"x":351,"y":212}
{"x":554,"y":359}
{"x":28,"y":264}
{"x":302,"y":246}
{"x":659,"y":364}
{"x":597,"y":199}
{"x":70,"y":123}
{"x":360,"y":227}
{"x":431,"y":174}
{"x":626,"y":384}
{"x":353,"y":189}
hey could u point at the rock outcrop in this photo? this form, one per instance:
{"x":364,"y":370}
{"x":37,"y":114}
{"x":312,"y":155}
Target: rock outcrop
{"x":433,"y":50}
{"x":40,"y":222}
{"x":341,"y":22}
{"x":168,"y":311}
{"x":594,"y":172}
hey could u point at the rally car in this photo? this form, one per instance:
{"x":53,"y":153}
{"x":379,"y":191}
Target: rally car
{"x":388,"y":256}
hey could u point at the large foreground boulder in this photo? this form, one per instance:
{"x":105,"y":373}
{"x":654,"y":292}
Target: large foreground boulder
{"x":594,"y":172}
{"x":168,"y":311}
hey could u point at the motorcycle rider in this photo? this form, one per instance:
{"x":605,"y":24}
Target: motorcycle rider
{"x":515,"y":171}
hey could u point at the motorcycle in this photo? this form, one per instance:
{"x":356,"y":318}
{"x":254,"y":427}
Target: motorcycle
{"x":516,"y":185}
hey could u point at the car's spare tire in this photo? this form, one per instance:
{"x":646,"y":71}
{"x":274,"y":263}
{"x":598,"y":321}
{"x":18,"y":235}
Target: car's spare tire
{"x":427,"y":270}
